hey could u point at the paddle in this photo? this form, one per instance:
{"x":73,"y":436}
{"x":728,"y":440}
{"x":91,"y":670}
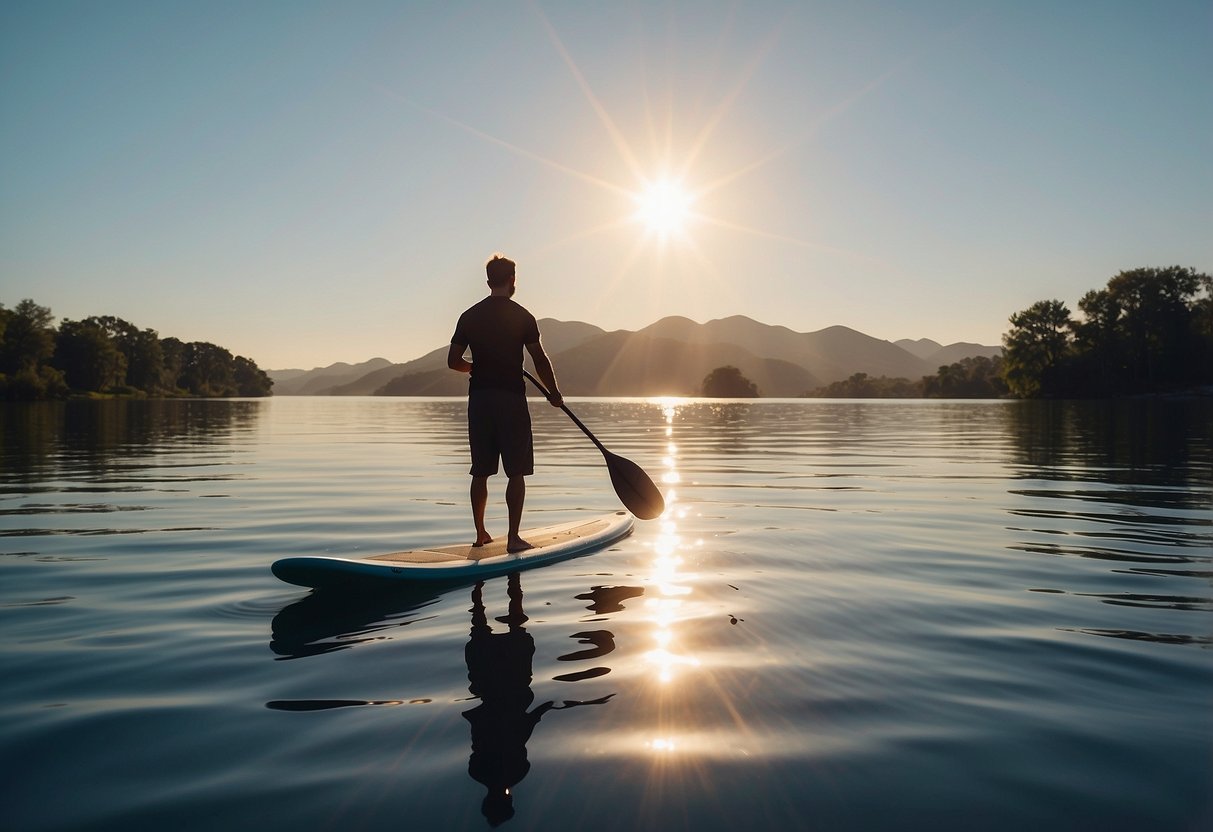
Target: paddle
{"x":636,"y":491}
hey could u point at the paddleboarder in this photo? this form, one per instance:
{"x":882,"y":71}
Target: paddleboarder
{"x":497,"y":329}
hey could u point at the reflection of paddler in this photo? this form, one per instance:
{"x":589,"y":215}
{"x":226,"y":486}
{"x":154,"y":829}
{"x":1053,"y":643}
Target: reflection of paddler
{"x":499,"y":673}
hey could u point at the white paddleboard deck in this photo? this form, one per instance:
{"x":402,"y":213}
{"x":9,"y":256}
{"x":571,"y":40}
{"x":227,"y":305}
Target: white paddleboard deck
{"x":456,"y":563}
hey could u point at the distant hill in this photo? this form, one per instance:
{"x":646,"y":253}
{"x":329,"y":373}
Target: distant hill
{"x":368,"y":378}
{"x":640,"y":364}
{"x":924,"y":348}
{"x":937,"y":355}
{"x":442,"y":382}
{"x":669,"y":357}
{"x":316,"y":382}
{"x":368,"y":384}
{"x":284,"y":375}
{"x":955,"y":352}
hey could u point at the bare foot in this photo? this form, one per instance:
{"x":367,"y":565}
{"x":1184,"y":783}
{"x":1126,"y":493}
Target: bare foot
{"x":481,"y":539}
{"x":517,"y":544}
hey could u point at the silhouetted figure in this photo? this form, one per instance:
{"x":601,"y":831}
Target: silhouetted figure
{"x":499,"y":673}
{"x":499,"y":423}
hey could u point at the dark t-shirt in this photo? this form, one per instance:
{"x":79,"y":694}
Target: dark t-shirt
{"x":496,"y":329}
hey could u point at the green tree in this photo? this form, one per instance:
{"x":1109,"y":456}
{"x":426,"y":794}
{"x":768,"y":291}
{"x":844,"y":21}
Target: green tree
{"x":142,"y":349}
{"x":1035,"y":347}
{"x":860,"y":386}
{"x":1202,"y":327}
{"x":949,"y":381}
{"x":1149,"y":330}
{"x":144,"y":354}
{"x":104,"y":353}
{"x":144,"y":360}
{"x":88,"y":357}
{"x":251,"y":380}
{"x":26,"y":346}
{"x":728,"y":383}
{"x":173,"y":352}
{"x":29,"y":339}
{"x":1143,"y":331}
{"x":208,"y":370}
{"x":1100,"y":344}
{"x":863,"y":386}
{"x":975,"y":377}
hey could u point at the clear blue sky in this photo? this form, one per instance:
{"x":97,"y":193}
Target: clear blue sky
{"x":311,"y":182}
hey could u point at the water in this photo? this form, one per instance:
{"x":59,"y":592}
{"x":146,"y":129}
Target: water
{"x":855,"y":615}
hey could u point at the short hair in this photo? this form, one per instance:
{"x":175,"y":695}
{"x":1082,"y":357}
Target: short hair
{"x":500,"y":269}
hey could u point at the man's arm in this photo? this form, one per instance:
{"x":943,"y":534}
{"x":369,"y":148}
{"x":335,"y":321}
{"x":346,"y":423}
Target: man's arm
{"x":455,"y":359}
{"x":543,"y":367}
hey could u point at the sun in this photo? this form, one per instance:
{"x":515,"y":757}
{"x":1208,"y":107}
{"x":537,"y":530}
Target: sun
{"x":664,"y":207}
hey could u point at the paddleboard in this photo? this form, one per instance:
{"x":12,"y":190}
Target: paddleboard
{"x":461,"y":562}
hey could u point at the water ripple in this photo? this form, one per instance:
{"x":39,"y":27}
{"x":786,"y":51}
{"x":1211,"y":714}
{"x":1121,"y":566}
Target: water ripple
{"x":70,"y":508}
{"x":1157,"y":638}
{"x":41,"y":602}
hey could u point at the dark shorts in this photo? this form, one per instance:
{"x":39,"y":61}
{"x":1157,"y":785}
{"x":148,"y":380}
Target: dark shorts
{"x":499,"y":426}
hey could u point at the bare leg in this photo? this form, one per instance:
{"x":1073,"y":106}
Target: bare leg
{"x":480,"y":499}
{"x":515,"y":496}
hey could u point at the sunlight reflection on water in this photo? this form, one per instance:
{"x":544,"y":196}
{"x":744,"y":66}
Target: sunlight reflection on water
{"x":663,"y":602}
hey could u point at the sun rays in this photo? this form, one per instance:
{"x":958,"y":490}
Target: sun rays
{"x":662,"y":196}
{"x":680,"y":198}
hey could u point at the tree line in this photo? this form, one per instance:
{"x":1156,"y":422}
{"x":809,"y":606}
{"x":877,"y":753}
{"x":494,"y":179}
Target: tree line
{"x":977,"y":377}
{"x":1150,"y":330}
{"x":109,"y":356}
{"x":970,"y":378}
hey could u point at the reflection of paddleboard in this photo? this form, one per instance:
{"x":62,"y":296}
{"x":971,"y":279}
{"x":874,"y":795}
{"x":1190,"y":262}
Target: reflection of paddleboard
{"x":454,"y":563}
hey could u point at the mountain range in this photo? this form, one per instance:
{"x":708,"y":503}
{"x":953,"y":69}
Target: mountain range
{"x":669,"y":357}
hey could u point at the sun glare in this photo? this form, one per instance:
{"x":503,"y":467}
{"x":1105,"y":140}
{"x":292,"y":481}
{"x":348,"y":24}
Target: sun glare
{"x":664,"y":207}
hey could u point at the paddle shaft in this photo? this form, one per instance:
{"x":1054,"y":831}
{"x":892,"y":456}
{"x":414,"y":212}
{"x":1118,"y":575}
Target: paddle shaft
{"x":633,"y":486}
{"x":570,"y":413}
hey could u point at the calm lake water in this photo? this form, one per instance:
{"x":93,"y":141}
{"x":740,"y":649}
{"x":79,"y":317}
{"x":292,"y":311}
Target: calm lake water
{"x":854,"y":615}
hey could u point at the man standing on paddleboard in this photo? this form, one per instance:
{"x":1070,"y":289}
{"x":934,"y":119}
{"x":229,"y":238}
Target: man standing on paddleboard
{"x":499,"y":424}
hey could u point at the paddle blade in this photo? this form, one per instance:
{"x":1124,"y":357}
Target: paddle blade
{"x":636,"y":491}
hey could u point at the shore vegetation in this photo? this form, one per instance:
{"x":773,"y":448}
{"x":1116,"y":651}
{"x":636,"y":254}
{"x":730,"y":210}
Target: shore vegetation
{"x":1149,"y":331}
{"x":103,"y":356}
